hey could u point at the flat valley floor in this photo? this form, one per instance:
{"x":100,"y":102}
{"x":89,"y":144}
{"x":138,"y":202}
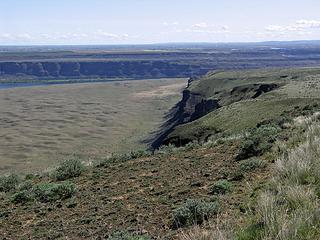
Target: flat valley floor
{"x":41,"y":126}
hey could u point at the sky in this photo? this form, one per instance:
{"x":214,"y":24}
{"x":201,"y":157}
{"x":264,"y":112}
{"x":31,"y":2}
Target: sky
{"x":82,"y":22}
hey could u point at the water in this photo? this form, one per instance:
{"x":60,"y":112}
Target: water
{"x":33,"y":84}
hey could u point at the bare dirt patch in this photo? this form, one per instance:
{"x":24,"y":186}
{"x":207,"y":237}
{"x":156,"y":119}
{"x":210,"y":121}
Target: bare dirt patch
{"x":162,"y":91}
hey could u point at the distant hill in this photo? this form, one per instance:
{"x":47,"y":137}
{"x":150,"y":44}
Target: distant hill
{"x":150,"y":61}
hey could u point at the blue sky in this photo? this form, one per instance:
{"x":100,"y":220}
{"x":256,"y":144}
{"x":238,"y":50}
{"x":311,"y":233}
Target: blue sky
{"x":24,"y":22}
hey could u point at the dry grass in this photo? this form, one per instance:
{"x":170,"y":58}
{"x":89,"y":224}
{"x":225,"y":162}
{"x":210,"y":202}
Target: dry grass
{"x":42,"y":125}
{"x":290,"y":209}
{"x":219,"y":230}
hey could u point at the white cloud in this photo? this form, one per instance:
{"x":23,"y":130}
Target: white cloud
{"x":45,"y":36}
{"x":275,"y":28}
{"x":25,"y":36}
{"x":6,"y":36}
{"x":58,"y":37}
{"x":308,"y":23}
{"x":170,"y":24}
{"x":297,"y":26}
{"x":200,"y":25}
{"x":205,"y":28}
{"x":79,"y":35}
{"x":110,"y":36}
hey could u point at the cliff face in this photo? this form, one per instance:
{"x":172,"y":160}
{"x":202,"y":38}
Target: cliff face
{"x":191,"y":107}
{"x":121,"y":69}
{"x":194,"y":106}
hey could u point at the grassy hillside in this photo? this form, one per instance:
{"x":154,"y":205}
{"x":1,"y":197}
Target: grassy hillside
{"x":254,"y":174}
{"x":143,"y":194}
{"x":298,"y":92}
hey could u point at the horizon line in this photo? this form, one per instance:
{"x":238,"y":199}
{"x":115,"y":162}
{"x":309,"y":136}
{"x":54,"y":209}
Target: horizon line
{"x":158,"y":43}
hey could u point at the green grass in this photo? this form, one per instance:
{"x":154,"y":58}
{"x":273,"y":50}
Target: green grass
{"x":239,"y":117}
{"x":288,"y":208}
{"x":298,"y":88}
{"x":225,"y":80}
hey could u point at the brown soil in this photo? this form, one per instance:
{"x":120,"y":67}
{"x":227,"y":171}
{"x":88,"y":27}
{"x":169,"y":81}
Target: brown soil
{"x":138,"y":195}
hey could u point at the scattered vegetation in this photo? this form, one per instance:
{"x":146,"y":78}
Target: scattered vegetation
{"x":45,"y":192}
{"x":69,"y":169}
{"x":124,"y":235}
{"x":290,"y":208}
{"x":221,"y":187}
{"x":251,"y":164}
{"x":258,"y":141}
{"x":193,"y":212}
{"x":9,"y":183}
{"x":218,"y":231}
{"x":143,"y":188}
{"x":124,"y":157}
{"x":48,"y":192}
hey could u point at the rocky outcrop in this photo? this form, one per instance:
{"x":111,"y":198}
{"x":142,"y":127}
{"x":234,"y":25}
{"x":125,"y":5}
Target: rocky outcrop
{"x":191,"y":107}
{"x":194,"y":106}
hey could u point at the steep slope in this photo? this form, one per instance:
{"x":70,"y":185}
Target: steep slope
{"x":232,"y":101}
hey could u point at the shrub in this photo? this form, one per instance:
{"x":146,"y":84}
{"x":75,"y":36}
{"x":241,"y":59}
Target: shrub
{"x":29,"y":176}
{"x":224,"y":172}
{"x":44,"y":192}
{"x":221,"y":187}
{"x":69,"y":169}
{"x":167,"y":149}
{"x":26,"y":185}
{"x":192,"y":145}
{"x":114,"y":158}
{"x":124,"y":235}
{"x":21,"y":197}
{"x":140,"y":154}
{"x":48,"y":192}
{"x":194,"y":212}
{"x":251,"y":164}
{"x":123,"y":157}
{"x":9,"y":183}
{"x":238,"y":175}
{"x":258,"y":141}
